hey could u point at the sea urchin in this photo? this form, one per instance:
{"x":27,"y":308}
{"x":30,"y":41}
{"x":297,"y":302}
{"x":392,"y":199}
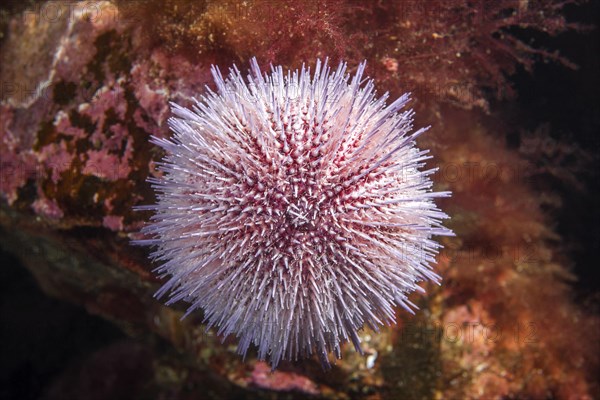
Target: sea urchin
{"x":293,"y":210}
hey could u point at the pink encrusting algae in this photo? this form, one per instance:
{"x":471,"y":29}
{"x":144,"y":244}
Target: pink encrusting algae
{"x":294,"y":210}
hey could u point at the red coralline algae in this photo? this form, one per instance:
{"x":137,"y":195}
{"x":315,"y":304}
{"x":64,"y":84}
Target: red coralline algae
{"x":88,"y":113}
{"x":113,"y":222}
{"x":56,"y":159}
{"x":47,"y":208}
{"x":263,"y":377}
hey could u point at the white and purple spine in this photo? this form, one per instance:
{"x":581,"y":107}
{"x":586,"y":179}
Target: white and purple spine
{"x":293,"y":209}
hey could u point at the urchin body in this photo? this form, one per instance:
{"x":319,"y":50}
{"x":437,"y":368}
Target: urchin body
{"x":293,"y":210}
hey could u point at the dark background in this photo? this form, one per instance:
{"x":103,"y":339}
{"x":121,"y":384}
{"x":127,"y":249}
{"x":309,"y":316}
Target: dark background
{"x":569,"y":100}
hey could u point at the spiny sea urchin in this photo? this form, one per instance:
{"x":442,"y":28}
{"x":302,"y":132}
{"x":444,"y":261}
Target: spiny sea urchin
{"x":293,"y":211}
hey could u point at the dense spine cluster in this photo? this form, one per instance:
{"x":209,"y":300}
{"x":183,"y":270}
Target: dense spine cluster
{"x":293,"y":210}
